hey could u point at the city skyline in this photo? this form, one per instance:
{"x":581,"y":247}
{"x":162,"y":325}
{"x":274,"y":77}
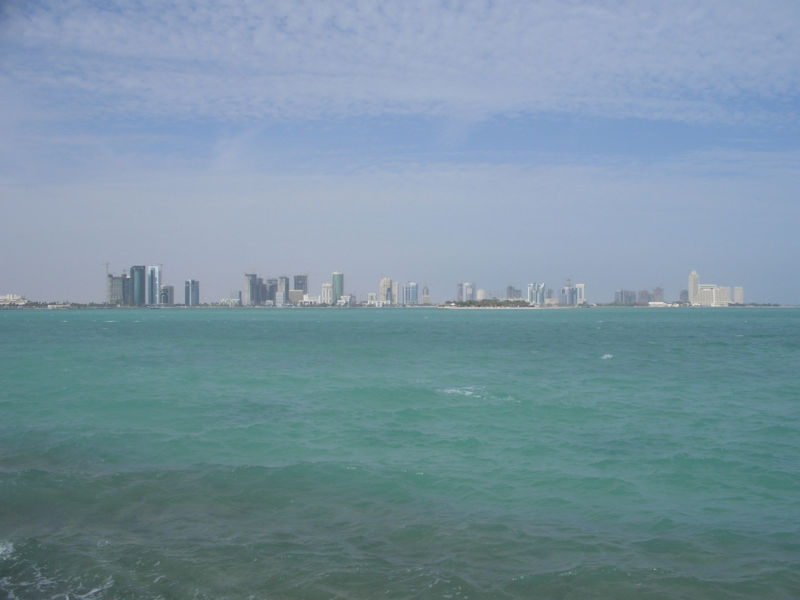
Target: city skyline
{"x":142,"y":286}
{"x":501,"y":143}
{"x":153,"y":273}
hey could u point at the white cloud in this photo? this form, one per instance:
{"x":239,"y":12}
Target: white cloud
{"x":229,"y":60}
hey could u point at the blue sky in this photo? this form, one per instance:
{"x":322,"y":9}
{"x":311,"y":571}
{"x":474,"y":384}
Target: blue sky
{"x":617,"y":143}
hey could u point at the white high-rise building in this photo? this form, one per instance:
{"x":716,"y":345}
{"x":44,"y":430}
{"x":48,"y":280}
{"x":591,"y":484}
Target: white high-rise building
{"x":397,"y":296}
{"x":706,"y":294}
{"x":694,"y":288}
{"x":250,"y":293}
{"x":327,"y":293}
{"x":712,"y":295}
{"x":385,"y":291}
{"x":580,"y":289}
{"x":536,"y":294}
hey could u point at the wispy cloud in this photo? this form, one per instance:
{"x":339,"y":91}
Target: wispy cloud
{"x":722,"y":61}
{"x":504,"y":139}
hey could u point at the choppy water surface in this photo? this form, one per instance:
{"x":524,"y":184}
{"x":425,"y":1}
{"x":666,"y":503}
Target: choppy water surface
{"x":400,"y":454}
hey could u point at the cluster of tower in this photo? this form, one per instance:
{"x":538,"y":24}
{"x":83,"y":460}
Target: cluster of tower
{"x":273,"y":291}
{"x":394,"y":293}
{"x":624,"y":297}
{"x":537,"y":294}
{"x":712,"y":295}
{"x":141,"y":286}
{"x":283,"y":291}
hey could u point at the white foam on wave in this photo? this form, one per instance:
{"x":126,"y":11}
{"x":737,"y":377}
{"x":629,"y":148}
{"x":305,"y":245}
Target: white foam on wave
{"x":607,"y":357}
{"x":97,"y":592}
{"x":460,"y":391}
{"x":6,"y":550}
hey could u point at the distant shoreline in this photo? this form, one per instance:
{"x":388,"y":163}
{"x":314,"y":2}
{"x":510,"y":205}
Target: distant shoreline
{"x":615,"y":307}
{"x":54,"y":306}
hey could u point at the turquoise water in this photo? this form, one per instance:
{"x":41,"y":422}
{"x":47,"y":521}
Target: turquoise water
{"x":400,"y":454}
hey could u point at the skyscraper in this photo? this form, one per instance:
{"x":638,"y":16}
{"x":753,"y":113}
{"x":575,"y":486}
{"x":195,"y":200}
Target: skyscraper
{"x":301,"y":283}
{"x":270,"y":290}
{"x":127,"y":289}
{"x":625,"y":297}
{"x":385,"y":291}
{"x":536,"y":294}
{"x":138,"y":278}
{"x":706,"y":294}
{"x":251,"y":292}
{"x":337,"y":281}
{"x":694,"y":288}
{"x":327,"y":293}
{"x":580,"y":289}
{"x":191,"y":292}
{"x":153,"y":293}
{"x":569,"y":295}
{"x":412,"y":293}
{"x":469,"y":291}
{"x":167,"y":295}
{"x":114,"y":289}
{"x":283,"y":291}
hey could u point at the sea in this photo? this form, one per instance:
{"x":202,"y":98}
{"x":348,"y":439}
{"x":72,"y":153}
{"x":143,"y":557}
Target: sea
{"x":400,"y":453}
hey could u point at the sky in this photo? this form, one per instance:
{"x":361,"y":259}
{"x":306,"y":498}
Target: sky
{"x":619,"y":144}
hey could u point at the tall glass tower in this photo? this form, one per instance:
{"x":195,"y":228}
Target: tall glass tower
{"x":153,"y":293}
{"x":191,"y":292}
{"x":412,"y":293}
{"x":337,"y":281}
{"x":138,"y":285}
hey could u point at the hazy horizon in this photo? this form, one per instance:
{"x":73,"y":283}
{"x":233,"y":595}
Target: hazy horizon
{"x":497,"y":142}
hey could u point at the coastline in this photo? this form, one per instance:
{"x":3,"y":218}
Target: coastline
{"x":75,"y":306}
